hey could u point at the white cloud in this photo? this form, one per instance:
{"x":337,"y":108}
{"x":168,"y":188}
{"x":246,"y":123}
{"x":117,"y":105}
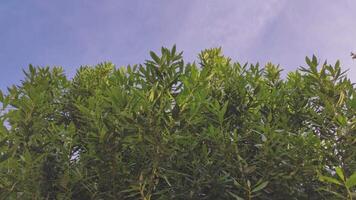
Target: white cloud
{"x":231,"y":24}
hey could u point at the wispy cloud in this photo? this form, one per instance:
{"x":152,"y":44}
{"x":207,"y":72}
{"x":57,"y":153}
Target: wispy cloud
{"x":234,"y":25}
{"x":73,"y":33}
{"x":325,"y":28}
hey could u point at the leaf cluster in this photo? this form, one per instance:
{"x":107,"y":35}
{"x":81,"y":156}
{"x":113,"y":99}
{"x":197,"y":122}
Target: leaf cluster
{"x":167,"y":129}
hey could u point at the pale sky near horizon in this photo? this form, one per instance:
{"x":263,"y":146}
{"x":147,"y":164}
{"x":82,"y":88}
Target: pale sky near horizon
{"x":71,"y":33}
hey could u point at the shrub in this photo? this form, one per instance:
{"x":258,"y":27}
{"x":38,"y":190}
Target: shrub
{"x":170,"y":130}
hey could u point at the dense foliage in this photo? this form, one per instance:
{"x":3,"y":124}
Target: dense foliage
{"x":171,"y":130}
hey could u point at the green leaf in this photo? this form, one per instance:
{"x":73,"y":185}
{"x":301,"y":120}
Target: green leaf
{"x":353,"y":103}
{"x":329,"y":180}
{"x":235,"y":196}
{"x":173,"y":52}
{"x":351,"y":181}
{"x":260,"y":186}
{"x":341,"y":120}
{"x":237,"y":184}
{"x":223,"y":111}
{"x":1,"y":96}
{"x":32,"y":69}
{"x":155,"y":57}
{"x":167,"y":181}
{"x":314,"y":60}
{"x":337,"y":64}
{"x":340,"y":173}
{"x":332,"y":192}
{"x":307,"y":60}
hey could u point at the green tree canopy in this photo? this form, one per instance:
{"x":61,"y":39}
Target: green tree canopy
{"x":214,"y":129}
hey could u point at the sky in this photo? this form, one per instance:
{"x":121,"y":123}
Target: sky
{"x":71,"y":33}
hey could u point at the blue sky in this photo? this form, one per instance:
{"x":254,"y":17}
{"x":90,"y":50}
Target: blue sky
{"x":70,"y":33}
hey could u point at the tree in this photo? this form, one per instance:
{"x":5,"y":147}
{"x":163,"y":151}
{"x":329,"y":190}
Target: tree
{"x":170,"y":130}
